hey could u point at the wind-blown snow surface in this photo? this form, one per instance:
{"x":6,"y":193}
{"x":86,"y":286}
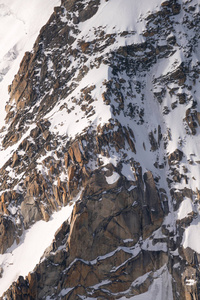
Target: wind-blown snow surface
{"x":21,"y":259}
{"x":20,"y":23}
{"x":131,"y":17}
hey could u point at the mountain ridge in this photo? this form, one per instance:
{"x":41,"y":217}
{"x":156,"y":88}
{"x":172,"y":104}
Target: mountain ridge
{"x":108,"y":115}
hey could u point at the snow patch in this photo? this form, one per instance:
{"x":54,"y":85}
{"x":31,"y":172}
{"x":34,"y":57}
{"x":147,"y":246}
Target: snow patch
{"x":73,"y":123}
{"x":191,"y":236}
{"x":185,"y":208}
{"x":161,"y":288}
{"x":128,"y":172}
{"x":190,"y":282}
{"x":132,"y":17}
{"x":113,"y":178}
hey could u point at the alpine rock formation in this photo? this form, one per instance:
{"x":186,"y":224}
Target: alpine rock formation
{"x":99,"y":151}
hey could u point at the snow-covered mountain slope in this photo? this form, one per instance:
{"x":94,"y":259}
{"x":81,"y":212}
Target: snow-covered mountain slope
{"x":21,"y":258}
{"x":104,"y":109}
{"x":20,"y":23}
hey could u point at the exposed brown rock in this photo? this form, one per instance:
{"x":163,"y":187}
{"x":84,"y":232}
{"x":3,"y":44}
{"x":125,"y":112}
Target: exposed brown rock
{"x":15,"y":160}
{"x":110,"y":219}
{"x":71,"y":172}
{"x":119,"y":140}
{"x":30,"y":211}
{"x":175,"y":157}
{"x":32,"y":281}
{"x":152,"y":210}
{"x":192,"y":119}
{"x":77,"y":152}
{"x":153,"y":142}
{"x":45,"y":214}
{"x":66,"y":158}
{"x":129,"y":140}
{"x":84,"y":47}
{"x":7,"y":233}
{"x":57,"y":195}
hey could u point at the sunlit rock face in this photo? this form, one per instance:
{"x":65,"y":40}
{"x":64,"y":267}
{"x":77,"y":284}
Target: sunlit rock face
{"x":99,"y":150}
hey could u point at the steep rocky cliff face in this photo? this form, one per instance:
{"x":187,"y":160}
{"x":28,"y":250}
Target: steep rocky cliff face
{"x":103,"y":121}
